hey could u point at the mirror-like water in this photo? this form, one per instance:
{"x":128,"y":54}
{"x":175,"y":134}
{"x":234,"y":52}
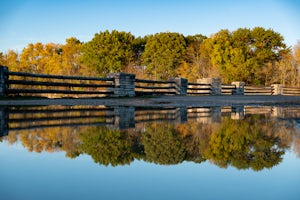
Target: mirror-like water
{"x":82,"y":152}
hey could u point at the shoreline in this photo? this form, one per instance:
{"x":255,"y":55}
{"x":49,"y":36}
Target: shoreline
{"x":162,"y":101}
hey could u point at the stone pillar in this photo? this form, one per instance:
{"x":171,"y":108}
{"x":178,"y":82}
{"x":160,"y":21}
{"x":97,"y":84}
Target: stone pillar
{"x":181,"y":85}
{"x":216,"y":84}
{"x":3,"y":121}
{"x":3,"y":81}
{"x":124,"y":118}
{"x":124,"y":84}
{"x":277,"y":89}
{"x":239,"y":88}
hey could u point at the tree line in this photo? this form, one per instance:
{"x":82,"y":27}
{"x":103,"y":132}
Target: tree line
{"x":253,"y":143}
{"x":256,"y":56}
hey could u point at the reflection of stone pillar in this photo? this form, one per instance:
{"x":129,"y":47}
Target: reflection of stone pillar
{"x":237,"y":112}
{"x":3,"y":122}
{"x":216,"y":84}
{"x":3,"y":80}
{"x":277,"y":112}
{"x":181,"y":86}
{"x":216,"y":114}
{"x":239,"y":87}
{"x":124,"y":117}
{"x":277,"y":89}
{"x":181,"y":115}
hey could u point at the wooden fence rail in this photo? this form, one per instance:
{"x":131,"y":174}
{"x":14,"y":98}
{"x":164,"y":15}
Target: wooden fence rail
{"x":198,"y":89}
{"x":150,"y":87}
{"x":257,"y":90}
{"x":122,"y":84}
{"x":291,"y":91}
{"x":228,"y":89}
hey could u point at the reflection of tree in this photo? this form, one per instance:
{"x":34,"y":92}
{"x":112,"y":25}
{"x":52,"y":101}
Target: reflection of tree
{"x":196,"y":138}
{"x":51,"y":139}
{"x":163,"y":144}
{"x":255,"y":142}
{"x":296,"y":147}
{"x":244,"y":144}
{"x":109,"y":147}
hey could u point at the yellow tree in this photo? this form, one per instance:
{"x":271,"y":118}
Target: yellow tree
{"x":70,"y":53}
{"x":297,"y":52}
{"x":39,"y":58}
{"x":195,"y":63}
{"x":11,"y":60}
{"x":297,"y":60}
{"x":1,"y":58}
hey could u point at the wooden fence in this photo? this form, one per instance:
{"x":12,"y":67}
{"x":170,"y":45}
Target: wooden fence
{"x":27,"y":83}
{"x":122,"y":84}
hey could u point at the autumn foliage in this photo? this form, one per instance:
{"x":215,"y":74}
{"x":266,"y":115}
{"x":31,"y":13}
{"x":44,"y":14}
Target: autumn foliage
{"x":256,"y":56}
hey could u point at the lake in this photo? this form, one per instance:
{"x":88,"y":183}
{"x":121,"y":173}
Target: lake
{"x":99,"y":152}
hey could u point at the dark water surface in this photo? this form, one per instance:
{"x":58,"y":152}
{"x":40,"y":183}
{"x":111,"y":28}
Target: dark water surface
{"x":85,"y":152}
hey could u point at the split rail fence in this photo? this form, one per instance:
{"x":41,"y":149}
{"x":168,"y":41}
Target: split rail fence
{"x":122,"y":84}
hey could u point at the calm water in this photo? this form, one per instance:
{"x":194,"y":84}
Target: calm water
{"x":149,"y":153}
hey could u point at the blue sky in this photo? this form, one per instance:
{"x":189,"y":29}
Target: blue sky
{"x":30,"y":21}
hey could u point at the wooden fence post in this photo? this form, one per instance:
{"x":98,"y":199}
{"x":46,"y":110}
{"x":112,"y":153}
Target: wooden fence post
{"x":181,"y":86}
{"x":216,"y":84}
{"x":239,"y":88}
{"x":3,"y":80}
{"x":124,"y":84}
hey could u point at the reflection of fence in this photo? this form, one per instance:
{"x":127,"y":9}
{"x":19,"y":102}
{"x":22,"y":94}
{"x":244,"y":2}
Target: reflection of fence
{"x":15,"y":119}
{"x":45,"y":117}
{"x":122,"y":84}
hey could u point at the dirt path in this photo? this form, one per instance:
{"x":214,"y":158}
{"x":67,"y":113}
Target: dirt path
{"x":176,"y":101}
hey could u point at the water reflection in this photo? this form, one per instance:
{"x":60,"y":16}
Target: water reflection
{"x":243,"y":137}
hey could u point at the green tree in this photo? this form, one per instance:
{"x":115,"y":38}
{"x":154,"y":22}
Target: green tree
{"x":246,"y":54}
{"x":163,"y":54}
{"x":135,"y":66}
{"x":108,"y":52}
{"x":138,"y":46}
